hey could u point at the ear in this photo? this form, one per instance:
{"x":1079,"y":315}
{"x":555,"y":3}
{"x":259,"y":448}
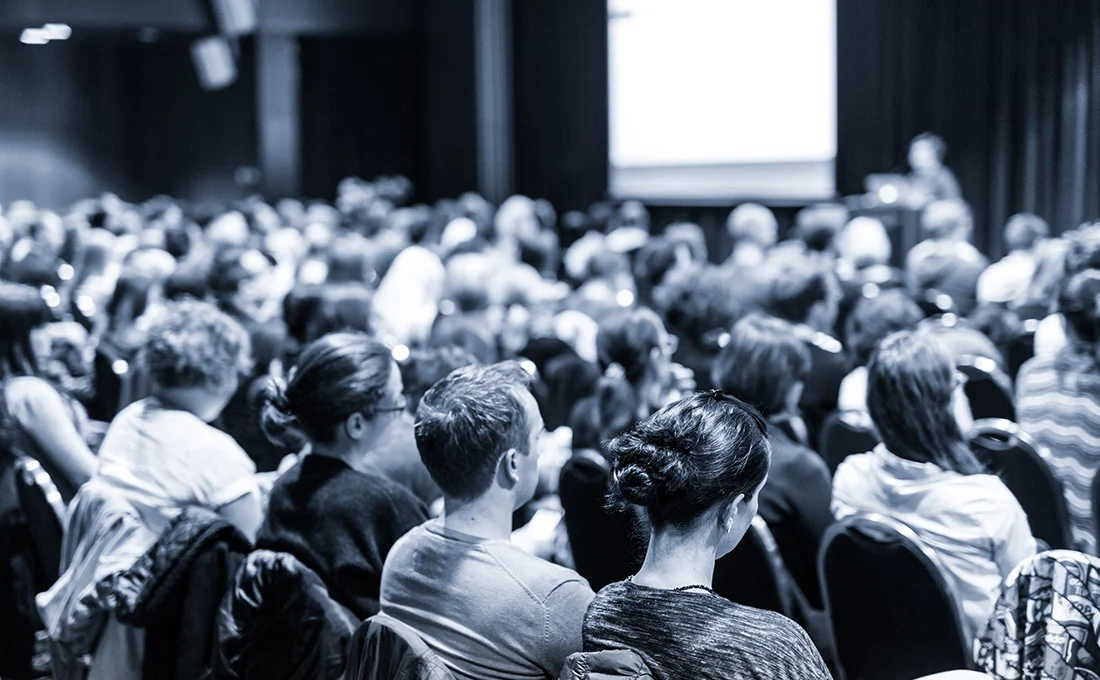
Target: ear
{"x":355,"y":426}
{"x":728,"y":513}
{"x":509,"y":467}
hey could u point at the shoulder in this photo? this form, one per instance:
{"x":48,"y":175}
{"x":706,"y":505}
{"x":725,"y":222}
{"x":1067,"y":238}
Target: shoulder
{"x":854,"y":470}
{"x":543,"y":580}
{"x":30,"y":390}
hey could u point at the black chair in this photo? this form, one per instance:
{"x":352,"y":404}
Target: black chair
{"x":1013,"y":456}
{"x":44,"y":511}
{"x":893,"y":614}
{"x":753,"y":574}
{"x":988,"y":388}
{"x":1020,"y":349}
{"x":840,"y":439}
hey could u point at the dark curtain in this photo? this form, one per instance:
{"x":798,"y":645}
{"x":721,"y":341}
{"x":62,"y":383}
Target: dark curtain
{"x":1013,"y":87}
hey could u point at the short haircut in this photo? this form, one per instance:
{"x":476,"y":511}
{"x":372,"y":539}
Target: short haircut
{"x":1024,"y":230}
{"x":818,"y":225}
{"x":467,"y":421}
{"x":873,"y":318}
{"x":699,"y":300}
{"x":753,"y":223}
{"x":936,"y":141}
{"x":627,"y":338}
{"x":796,"y":286}
{"x":690,"y":456}
{"x":944,"y":218}
{"x":761,"y":362}
{"x":196,"y":345}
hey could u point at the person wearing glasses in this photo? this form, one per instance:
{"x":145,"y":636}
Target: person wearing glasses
{"x":335,"y":510}
{"x":924,"y":475}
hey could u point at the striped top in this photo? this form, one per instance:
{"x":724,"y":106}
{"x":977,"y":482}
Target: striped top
{"x":694,"y":634}
{"x":1061,"y":410}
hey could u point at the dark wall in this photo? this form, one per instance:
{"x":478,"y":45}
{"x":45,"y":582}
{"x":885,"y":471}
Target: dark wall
{"x":91,"y":115}
{"x":559,"y":52}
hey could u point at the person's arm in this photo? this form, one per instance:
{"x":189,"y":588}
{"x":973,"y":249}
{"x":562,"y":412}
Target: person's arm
{"x":43,"y":415}
{"x":563,"y":635}
{"x":246,"y":513}
{"x":1012,"y":539}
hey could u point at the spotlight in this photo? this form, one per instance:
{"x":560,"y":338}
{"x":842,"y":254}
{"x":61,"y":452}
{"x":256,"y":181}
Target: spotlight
{"x":57,"y":31}
{"x":120,"y":367}
{"x":888,"y":194}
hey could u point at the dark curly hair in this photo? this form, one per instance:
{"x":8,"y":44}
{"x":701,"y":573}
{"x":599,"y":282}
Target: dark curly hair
{"x":688,"y":457}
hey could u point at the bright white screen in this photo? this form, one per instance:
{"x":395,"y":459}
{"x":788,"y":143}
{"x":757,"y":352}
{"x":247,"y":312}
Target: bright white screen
{"x":721,"y":99}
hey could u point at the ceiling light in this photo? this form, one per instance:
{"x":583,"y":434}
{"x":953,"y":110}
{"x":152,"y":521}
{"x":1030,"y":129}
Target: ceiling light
{"x":34,"y":36}
{"x":57,"y":31}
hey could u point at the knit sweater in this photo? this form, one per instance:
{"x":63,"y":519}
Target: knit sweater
{"x":694,"y":634}
{"x":341,"y":524}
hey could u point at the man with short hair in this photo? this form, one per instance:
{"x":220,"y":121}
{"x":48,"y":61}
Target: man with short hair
{"x":946,"y":263}
{"x":485,"y":607}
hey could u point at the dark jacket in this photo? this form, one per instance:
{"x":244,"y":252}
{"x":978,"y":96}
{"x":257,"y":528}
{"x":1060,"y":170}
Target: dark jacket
{"x":174,"y":592}
{"x":829,"y":364}
{"x":605,"y":665}
{"x":280,"y":623}
{"x":386,"y":649}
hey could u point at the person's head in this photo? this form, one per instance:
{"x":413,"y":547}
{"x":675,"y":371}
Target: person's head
{"x":864,"y":242}
{"x":478,"y":434}
{"x":1083,"y":249}
{"x":752,"y":223}
{"x":344,"y":389}
{"x":241,"y":279}
{"x":926,"y":152}
{"x":636,"y":341}
{"x":1079,"y":303}
{"x":699,"y":301}
{"x":1050,"y":273}
{"x":426,"y":367}
{"x":697,"y":465}
{"x":804,"y":290}
{"x":916,"y":399}
{"x":818,"y":225}
{"x":195,"y":355}
{"x":873,"y":318}
{"x":947,"y":220}
{"x":1024,"y":230}
{"x":22,"y":310}
{"x":128,"y":301}
{"x":763,"y":364}
{"x":691,"y":235}
{"x":468,"y":332}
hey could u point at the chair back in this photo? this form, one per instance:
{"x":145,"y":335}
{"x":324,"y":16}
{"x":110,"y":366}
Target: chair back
{"x":753,"y":573}
{"x":1012,"y":455}
{"x":893,"y":614}
{"x":840,"y":439}
{"x":988,"y":388}
{"x":1020,"y":349}
{"x":44,"y":511}
{"x":386,"y":649}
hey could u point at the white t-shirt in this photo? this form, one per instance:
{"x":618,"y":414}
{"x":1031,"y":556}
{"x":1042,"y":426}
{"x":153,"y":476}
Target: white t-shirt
{"x":165,"y":460}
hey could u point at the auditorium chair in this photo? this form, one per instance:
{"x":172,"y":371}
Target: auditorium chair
{"x":893,"y":614}
{"x":44,"y":511}
{"x":1012,"y":455}
{"x":988,"y":388}
{"x":840,"y":439}
{"x":753,"y":573}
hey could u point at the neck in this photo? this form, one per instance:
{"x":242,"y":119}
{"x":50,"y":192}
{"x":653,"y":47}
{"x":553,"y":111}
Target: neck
{"x":485,"y":517}
{"x":193,"y":400}
{"x":676,"y":559}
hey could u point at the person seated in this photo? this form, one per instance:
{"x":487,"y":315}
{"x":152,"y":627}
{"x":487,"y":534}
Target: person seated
{"x":804,"y":292}
{"x":1058,"y":403}
{"x":872,"y":319}
{"x":487,"y":608}
{"x":930,"y":180}
{"x":946,"y":263}
{"x":1007,"y":281}
{"x":159,"y":452}
{"x":765,"y":365}
{"x":697,"y":467}
{"x":863,"y":263}
{"x":753,"y":230}
{"x":426,"y":367}
{"x":925,"y":476}
{"x":36,"y":419}
{"x":817,"y":226}
{"x":334,"y":510}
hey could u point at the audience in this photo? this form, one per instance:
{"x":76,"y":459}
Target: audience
{"x":945,"y":263}
{"x":488,"y":609}
{"x":924,"y":475}
{"x":37,"y":420}
{"x":335,"y":510}
{"x":1009,"y":279}
{"x":697,"y":467}
{"x":159,"y":452}
{"x":765,"y":365}
{"x":1058,"y":403}
{"x":753,"y":229}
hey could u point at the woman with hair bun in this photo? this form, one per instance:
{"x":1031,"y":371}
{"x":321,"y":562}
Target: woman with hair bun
{"x":335,"y":510}
{"x":696,"y":467}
